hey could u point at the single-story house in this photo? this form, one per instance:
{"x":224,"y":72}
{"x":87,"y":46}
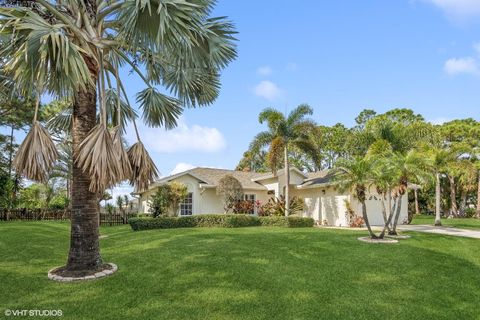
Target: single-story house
{"x":323,"y":201}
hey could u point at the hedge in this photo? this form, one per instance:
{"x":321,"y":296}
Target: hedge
{"x":218,"y":220}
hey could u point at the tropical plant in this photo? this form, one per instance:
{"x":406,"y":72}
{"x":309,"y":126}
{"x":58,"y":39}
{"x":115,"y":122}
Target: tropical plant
{"x":283,"y":133}
{"x":356,"y":175}
{"x":160,"y":201}
{"x":411,"y":166}
{"x":231,"y":191}
{"x":278,"y":207}
{"x":178,"y":193}
{"x":75,"y":49}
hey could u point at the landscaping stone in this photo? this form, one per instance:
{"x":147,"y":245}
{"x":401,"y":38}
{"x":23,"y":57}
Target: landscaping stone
{"x":97,"y":275}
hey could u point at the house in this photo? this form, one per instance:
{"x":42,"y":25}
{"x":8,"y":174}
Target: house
{"x":323,"y":201}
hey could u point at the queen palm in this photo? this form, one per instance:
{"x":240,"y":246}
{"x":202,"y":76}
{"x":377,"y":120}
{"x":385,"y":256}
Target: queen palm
{"x":439,"y":159}
{"x":75,"y":49}
{"x":409,"y":166}
{"x":357,"y":175}
{"x":283,"y":133}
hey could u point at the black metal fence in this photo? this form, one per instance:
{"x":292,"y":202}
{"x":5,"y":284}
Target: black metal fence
{"x":106,"y":219}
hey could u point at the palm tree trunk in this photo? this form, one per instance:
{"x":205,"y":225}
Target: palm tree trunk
{"x":386,"y":227}
{"x":453,"y":196}
{"x":287,"y":182}
{"x":478,"y":197}
{"x":10,"y":155}
{"x":365,"y":218}
{"x":463,"y":203}
{"x":393,"y":232}
{"x":84,"y":252}
{"x":438,"y":221}
{"x":417,"y":209}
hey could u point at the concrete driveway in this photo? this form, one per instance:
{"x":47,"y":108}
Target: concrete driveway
{"x":441,"y":230}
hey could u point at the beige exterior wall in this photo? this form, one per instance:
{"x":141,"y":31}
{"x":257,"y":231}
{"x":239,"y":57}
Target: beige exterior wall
{"x":322,"y":204}
{"x":374,"y":209}
{"x":205,"y":200}
{"x":330,"y":206}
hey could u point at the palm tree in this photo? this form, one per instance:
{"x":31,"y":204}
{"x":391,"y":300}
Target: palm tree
{"x":75,"y":49}
{"x":283,"y":133}
{"x":409,"y":166}
{"x":439,"y":159}
{"x":356,"y":174}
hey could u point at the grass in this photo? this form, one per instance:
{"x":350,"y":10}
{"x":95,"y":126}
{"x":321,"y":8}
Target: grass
{"x":466,"y":223}
{"x":245,"y":273}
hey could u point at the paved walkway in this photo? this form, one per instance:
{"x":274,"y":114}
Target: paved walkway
{"x":441,"y":230}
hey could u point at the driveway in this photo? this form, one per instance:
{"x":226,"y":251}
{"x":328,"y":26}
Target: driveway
{"x":441,"y":230}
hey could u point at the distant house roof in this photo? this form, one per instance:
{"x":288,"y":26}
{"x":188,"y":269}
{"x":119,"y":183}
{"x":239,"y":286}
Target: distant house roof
{"x":269,"y":175}
{"x":318,"y":179}
{"x":210,"y":177}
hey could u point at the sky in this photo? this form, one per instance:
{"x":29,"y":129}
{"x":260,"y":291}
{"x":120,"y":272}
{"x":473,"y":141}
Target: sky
{"x":338,"y":56}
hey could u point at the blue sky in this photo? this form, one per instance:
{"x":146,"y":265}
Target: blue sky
{"x":340,"y":57}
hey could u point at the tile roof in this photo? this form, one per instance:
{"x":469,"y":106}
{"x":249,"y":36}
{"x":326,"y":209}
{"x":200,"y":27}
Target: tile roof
{"x":211,"y":176}
{"x":324,"y":177}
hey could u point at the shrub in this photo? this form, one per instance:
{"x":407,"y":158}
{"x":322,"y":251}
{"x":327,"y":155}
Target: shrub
{"x":276,"y":207}
{"x":470,"y":212}
{"x":218,"y":220}
{"x":290,"y":222}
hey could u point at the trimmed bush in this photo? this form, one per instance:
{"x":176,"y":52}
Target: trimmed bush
{"x":218,"y":220}
{"x":289,"y":222}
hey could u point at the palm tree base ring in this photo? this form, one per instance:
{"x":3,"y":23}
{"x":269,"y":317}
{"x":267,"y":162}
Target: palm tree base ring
{"x":109,"y":269}
{"x":399,"y":236}
{"x":370,"y":240}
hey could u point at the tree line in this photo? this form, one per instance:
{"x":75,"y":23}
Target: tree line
{"x":394,"y":151}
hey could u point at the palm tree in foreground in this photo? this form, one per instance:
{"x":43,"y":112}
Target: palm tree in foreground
{"x":75,"y":50}
{"x":356,"y":175}
{"x":283,"y":133}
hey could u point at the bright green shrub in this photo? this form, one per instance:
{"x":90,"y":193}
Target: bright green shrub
{"x":218,"y":220}
{"x":289,"y":222}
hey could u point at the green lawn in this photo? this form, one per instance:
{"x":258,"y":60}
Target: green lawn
{"x":248,"y":273}
{"x":467,"y":223}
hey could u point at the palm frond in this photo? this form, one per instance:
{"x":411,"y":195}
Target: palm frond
{"x":36,"y":155}
{"x":125,"y":168}
{"x":98,"y":158}
{"x":158,"y":109}
{"x":40,"y":52}
{"x":144,"y":171}
{"x":299,"y":113}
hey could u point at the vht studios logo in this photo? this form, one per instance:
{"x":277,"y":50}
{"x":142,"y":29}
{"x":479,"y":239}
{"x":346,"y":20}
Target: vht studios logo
{"x":33,"y":313}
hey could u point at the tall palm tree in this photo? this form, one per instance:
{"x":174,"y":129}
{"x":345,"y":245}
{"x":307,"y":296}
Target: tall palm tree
{"x":75,"y":49}
{"x":283,"y":133}
{"x":439,"y":159}
{"x":356,"y":175}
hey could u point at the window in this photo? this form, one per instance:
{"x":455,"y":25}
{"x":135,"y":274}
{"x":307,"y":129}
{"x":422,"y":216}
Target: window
{"x":186,"y":207}
{"x":251,"y":198}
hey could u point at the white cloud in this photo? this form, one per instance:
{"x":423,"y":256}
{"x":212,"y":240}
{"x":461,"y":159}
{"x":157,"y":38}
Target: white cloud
{"x":458,"y":9}
{"x":438,"y":121}
{"x":181,"y":167}
{"x":183,"y":138}
{"x":268,"y":90}
{"x":466,"y":65}
{"x":264,"y":71}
